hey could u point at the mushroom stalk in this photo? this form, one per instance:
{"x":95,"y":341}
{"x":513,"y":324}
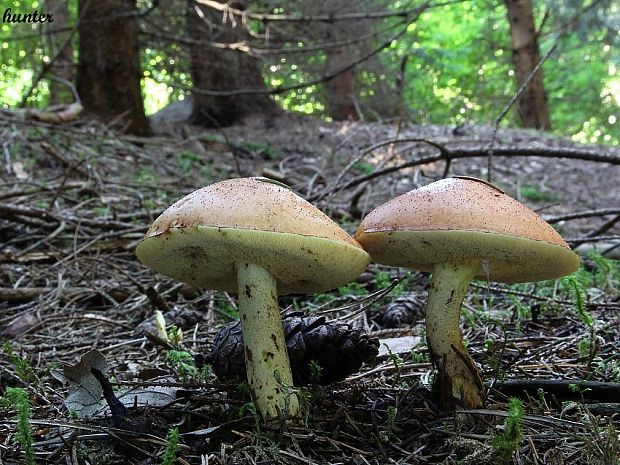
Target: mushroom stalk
{"x":268,"y":368}
{"x":457,"y":379}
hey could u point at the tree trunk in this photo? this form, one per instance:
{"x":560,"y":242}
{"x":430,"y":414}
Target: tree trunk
{"x":340,"y":91}
{"x":108,"y":78}
{"x":532,"y":104}
{"x":63,"y":65}
{"x":221,"y":70}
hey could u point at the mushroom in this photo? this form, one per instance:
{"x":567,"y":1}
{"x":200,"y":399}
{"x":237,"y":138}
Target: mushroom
{"x":461,"y":229}
{"x":254,"y":236}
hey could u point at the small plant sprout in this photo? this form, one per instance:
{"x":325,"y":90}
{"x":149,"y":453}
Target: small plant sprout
{"x":17,"y":399}
{"x":172,"y":447}
{"x":175,"y":335}
{"x":183,"y":363}
{"x":461,"y":229}
{"x":507,"y":442}
{"x":22,"y":365}
{"x":254,"y":236}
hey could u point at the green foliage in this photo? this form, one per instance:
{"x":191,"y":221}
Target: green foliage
{"x":250,"y":408}
{"x":532,"y":193}
{"x":175,"y":335}
{"x":182,"y":363}
{"x":164,"y":72}
{"x":226,"y":309}
{"x":383,"y":279}
{"x":17,"y":399}
{"x":22,"y":365}
{"x":316,"y":372}
{"x":603,"y":276}
{"x":580,"y":306}
{"x":364,"y":167}
{"x":243,"y":388}
{"x":607,"y":368}
{"x":419,"y":357}
{"x":192,"y":166}
{"x":352,"y":289}
{"x":397,"y":361}
{"x":390,"y":421}
{"x":459,"y":68}
{"x":172,"y":447}
{"x":507,"y":442}
{"x":266,"y":151}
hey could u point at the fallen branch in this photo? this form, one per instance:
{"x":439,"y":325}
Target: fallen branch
{"x":583,"y":214}
{"x":595,"y":234}
{"x":448,"y":154}
{"x":25,"y":294}
{"x":103,"y":223}
{"x":62,"y":114}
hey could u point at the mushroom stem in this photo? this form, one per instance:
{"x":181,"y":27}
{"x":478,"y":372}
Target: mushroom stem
{"x":267,"y":363}
{"x":457,"y":380}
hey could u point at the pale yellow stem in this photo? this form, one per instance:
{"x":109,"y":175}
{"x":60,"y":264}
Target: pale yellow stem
{"x":268,"y":368}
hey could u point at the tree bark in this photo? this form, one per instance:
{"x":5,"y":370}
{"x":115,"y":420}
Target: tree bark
{"x":532,"y":105}
{"x":108,"y":78}
{"x":63,"y":65}
{"x":216,"y":69}
{"x":340,"y":91}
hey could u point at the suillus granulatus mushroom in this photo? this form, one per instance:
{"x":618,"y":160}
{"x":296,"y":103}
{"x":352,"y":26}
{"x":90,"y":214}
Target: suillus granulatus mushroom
{"x":255,"y":237}
{"x":461,"y":229}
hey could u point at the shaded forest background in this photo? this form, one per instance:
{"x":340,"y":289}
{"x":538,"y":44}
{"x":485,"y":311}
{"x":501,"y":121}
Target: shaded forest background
{"x":442,"y":62}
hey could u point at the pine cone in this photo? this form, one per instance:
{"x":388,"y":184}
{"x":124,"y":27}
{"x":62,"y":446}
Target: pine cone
{"x":403,"y":310}
{"x":336,"y":348}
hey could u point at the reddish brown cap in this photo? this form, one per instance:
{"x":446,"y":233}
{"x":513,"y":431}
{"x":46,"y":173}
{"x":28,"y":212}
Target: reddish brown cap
{"x":462,"y":219}
{"x":199,"y":239}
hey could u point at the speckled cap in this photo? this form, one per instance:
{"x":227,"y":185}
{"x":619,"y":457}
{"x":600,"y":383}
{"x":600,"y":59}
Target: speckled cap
{"x":199,"y":239}
{"x":460,"y":219}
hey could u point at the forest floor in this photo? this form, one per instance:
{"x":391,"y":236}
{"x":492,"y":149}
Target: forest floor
{"x":76,"y":199}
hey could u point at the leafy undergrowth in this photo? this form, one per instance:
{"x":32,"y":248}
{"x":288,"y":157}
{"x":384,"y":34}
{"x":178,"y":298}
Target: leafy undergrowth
{"x":75,"y":201}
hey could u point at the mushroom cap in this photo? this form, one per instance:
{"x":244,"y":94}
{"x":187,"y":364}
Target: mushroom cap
{"x":199,"y":239}
{"x":460,"y":220}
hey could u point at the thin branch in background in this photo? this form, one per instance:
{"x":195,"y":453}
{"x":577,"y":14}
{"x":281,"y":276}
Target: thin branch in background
{"x":245,"y":47}
{"x":327,"y":77}
{"x":335,"y":187}
{"x":229,"y":11}
{"x":583,"y":214}
{"x":446,"y":154}
{"x":596,"y":233}
{"x":512,"y":101}
{"x":47,"y":66}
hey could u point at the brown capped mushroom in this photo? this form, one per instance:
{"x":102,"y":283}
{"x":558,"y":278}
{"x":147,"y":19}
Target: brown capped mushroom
{"x":461,"y":229}
{"x":256,"y":237}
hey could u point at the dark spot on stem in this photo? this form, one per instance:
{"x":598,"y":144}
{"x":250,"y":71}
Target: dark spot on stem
{"x":248,"y":292}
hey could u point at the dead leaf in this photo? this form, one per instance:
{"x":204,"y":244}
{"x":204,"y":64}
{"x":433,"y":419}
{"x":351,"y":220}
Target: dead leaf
{"x":20,"y":325}
{"x":84,"y":396}
{"x":85,"y":392}
{"x":398,"y":345}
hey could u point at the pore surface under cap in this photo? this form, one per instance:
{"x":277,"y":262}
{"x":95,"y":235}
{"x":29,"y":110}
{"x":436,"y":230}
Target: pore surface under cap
{"x":199,"y":238}
{"x":457,"y":220}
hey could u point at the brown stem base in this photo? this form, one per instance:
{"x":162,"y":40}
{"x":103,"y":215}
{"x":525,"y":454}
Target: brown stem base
{"x":457,"y":382}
